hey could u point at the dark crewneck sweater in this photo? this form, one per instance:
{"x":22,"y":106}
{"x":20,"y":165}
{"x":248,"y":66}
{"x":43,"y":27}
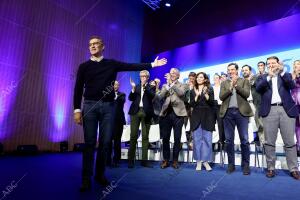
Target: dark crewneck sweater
{"x":97,"y":79}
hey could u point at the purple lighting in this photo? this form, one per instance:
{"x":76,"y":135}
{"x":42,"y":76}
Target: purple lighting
{"x":59,"y":103}
{"x":59,"y":116}
{"x":8,"y":92}
{"x":57,"y":68}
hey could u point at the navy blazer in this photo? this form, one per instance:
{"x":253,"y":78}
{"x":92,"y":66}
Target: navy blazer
{"x":285,"y":84}
{"x":135,"y":97}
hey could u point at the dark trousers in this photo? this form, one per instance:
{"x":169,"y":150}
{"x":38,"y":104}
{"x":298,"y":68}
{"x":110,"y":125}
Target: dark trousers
{"x":136,"y":120}
{"x":220,"y":125}
{"x":116,"y":147}
{"x":96,"y":114}
{"x":189,"y":136}
{"x":171,"y":120}
{"x":231,"y":119}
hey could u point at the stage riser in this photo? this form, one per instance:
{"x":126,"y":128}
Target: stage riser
{"x":155,"y":155}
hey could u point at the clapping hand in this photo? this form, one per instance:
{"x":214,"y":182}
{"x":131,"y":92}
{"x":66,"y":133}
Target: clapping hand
{"x":197,"y":92}
{"x":168,"y":78}
{"x":205,"y":90}
{"x":132,"y":83}
{"x":234,"y":81}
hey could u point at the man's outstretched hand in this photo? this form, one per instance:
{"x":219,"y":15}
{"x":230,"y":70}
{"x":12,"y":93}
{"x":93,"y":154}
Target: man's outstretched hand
{"x":160,"y":62}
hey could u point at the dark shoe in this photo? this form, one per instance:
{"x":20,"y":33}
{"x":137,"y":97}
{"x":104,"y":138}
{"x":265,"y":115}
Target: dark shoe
{"x":175,"y":164}
{"x":145,"y":163}
{"x":86,"y":184}
{"x":270,"y":173}
{"x":164,"y":164}
{"x":295,"y":175}
{"x":102,"y":180}
{"x":246,"y":170}
{"x":230,"y":169}
{"x":130,"y":164}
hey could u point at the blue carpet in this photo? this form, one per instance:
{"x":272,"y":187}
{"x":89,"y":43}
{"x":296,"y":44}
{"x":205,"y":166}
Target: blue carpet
{"x":57,"y":176}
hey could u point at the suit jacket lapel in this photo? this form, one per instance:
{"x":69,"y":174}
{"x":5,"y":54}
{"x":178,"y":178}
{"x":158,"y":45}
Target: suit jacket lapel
{"x":270,"y":82}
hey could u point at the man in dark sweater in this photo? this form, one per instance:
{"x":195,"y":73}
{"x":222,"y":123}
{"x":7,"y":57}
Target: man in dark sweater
{"x":96,"y":78}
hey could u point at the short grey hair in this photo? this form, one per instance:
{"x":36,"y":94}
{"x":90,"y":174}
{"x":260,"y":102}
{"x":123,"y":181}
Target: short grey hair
{"x":145,"y":72}
{"x":176,"y":70}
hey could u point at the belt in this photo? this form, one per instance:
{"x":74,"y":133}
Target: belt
{"x":276,"y":104}
{"x":250,"y":101}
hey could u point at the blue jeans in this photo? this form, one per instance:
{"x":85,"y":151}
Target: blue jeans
{"x":231,"y":119}
{"x":202,"y":143}
{"x":96,"y":113}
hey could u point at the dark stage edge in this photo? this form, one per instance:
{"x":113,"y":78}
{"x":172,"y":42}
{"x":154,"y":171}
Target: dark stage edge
{"x":57,"y":176}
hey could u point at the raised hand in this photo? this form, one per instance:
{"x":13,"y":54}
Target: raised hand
{"x":234,"y":81}
{"x":159,"y":62}
{"x":272,"y":72}
{"x":197,"y":92}
{"x":205,"y":90}
{"x":168,"y":78}
{"x":132,"y":83}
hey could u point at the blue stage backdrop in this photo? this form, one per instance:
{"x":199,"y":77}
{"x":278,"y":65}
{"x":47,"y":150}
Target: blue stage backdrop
{"x":280,"y":38}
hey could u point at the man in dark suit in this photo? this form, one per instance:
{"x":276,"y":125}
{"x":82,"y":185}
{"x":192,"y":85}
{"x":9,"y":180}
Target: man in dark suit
{"x":119,"y":122}
{"x":141,"y":112}
{"x":278,"y":110}
{"x":235,"y":111}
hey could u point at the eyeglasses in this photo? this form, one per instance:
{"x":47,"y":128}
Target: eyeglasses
{"x":143,"y":76}
{"x":95,"y":44}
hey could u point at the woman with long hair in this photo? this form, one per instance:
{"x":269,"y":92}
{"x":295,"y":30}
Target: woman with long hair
{"x":202,"y":120}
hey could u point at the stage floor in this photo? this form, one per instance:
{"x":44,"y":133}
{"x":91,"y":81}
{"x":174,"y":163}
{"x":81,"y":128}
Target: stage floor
{"x":57,"y":176}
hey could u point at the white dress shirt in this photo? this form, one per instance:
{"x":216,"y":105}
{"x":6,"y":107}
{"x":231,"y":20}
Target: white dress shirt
{"x":275,"y":93}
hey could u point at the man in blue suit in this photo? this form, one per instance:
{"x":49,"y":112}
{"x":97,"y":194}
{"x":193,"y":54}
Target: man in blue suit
{"x":278,"y":110}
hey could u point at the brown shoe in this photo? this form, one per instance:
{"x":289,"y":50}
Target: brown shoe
{"x":270,"y":173}
{"x":164,"y":164}
{"x":175,"y":164}
{"x":295,"y":175}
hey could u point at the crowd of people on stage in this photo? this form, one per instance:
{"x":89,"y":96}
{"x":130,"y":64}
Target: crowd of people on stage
{"x":267,"y":101}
